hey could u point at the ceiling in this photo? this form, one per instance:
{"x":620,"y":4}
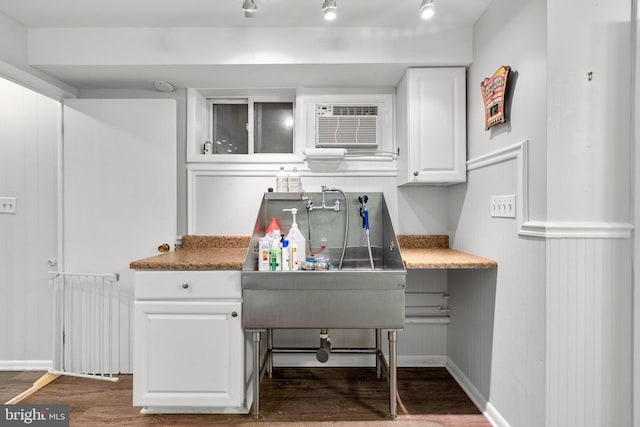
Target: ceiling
{"x":225,"y":13}
{"x":397,"y":14}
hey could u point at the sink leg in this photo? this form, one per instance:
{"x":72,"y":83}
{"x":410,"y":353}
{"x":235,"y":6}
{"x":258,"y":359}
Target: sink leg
{"x":393,"y":386}
{"x":270,"y":351}
{"x":378,"y":351}
{"x":256,"y":374}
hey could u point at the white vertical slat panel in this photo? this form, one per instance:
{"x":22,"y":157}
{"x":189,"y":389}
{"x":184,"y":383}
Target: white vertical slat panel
{"x":588,"y":332}
{"x":29,"y":129}
{"x":497,"y":332}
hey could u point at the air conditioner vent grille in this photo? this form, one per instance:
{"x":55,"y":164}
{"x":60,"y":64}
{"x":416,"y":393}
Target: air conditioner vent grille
{"x":347,"y":125}
{"x":355,"y":110}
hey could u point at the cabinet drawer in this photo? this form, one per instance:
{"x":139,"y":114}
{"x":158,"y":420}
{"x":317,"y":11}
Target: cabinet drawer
{"x":187,"y":285}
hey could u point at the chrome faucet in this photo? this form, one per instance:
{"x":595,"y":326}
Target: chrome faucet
{"x":323,"y":206}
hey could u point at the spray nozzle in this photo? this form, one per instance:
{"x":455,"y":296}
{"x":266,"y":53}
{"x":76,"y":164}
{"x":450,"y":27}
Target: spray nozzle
{"x":364,"y":213}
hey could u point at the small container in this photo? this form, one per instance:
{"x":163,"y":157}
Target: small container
{"x":309,"y":264}
{"x":295,"y":181}
{"x":322,"y":263}
{"x":263,"y":254}
{"x":282,"y":181}
{"x":275,"y":257}
{"x":286,"y":256}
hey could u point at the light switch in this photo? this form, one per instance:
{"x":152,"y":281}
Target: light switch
{"x":8,"y":205}
{"x":503,"y":206}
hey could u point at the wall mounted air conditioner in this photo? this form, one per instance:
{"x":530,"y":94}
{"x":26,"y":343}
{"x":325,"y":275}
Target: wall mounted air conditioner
{"x":347,"y":125}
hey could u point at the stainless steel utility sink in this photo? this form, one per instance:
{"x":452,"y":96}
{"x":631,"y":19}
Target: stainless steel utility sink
{"x":352,"y":295}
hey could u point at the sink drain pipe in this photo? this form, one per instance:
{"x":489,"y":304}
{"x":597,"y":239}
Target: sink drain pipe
{"x":325,"y":346}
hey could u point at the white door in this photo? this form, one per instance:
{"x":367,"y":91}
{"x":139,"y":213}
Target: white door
{"x":119,"y":192}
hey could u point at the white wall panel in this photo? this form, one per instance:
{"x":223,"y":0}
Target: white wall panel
{"x":496,"y":336}
{"x":588,"y":332}
{"x":227,"y":203}
{"x":28,"y":153}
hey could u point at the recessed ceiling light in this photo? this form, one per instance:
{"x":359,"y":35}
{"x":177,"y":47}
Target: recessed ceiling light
{"x":426,"y":9}
{"x":329,"y":9}
{"x":250,"y":8}
{"x":163,"y":86}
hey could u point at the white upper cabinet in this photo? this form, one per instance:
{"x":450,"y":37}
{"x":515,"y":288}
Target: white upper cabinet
{"x":431,"y":126}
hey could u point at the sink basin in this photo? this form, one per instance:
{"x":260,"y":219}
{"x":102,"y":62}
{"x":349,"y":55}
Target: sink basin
{"x":353,"y":296}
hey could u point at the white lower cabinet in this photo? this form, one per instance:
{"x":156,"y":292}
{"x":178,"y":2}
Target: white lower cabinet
{"x":189,"y":347}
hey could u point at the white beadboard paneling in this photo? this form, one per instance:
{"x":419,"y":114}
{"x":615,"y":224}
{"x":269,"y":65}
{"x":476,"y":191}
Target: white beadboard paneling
{"x":588,"y":332}
{"x":28,"y":153}
{"x":497,"y":335}
{"x":470,"y":342}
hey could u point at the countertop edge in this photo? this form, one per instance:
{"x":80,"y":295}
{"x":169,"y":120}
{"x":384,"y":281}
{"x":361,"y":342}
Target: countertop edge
{"x":232,"y":258}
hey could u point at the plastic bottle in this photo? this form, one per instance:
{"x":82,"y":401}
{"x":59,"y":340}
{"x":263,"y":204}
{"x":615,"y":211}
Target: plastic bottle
{"x":273,"y":231}
{"x":295,"y":181}
{"x":264,"y":247}
{"x":286,"y":256}
{"x":293,"y":256}
{"x":275,"y":257}
{"x":282,"y":181}
{"x":295,"y":237}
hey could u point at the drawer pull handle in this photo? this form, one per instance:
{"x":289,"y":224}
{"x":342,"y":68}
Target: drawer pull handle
{"x":185,"y":286}
{"x":234,"y":314}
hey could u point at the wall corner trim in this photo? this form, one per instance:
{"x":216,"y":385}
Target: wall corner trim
{"x":576,"y":230}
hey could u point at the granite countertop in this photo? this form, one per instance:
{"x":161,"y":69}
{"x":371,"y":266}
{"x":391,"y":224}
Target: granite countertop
{"x":228,"y":253}
{"x":200,"y":253}
{"x":433,"y":252}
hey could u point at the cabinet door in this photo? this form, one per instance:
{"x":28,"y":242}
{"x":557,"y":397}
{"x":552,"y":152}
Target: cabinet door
{"x":432,"y":126}
{"x":188,"y":354}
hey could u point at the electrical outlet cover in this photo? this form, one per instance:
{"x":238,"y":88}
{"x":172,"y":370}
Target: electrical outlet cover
{"x":503,"y":206}
{"x":8,"y":205}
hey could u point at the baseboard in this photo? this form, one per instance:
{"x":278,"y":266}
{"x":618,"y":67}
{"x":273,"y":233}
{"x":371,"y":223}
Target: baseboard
{"x":494,"y":417}
{"x":422,"y":361}
{"x":487,"y":409}
{"x":25,"y":365}
{"x":308,"y":360}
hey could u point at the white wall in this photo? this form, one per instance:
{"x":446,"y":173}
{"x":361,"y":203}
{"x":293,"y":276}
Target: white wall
{"x":497,"y":331}
{"x":560,"y":327}
{"x":496,"y":339}
{"x":28,"y":239}
{"x":589,"y":120}
{"x":589,"y":322}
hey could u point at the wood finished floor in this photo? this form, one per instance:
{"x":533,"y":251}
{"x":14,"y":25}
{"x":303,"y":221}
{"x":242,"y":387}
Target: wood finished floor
{"x":293,"y":397}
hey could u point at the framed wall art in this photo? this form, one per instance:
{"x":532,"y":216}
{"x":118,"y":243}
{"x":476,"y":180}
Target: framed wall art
{"x":494,"y":91}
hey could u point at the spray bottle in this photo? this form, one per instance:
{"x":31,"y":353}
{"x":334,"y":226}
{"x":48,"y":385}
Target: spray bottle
{"x":273,"y":231}
{"x":297,"y":243}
